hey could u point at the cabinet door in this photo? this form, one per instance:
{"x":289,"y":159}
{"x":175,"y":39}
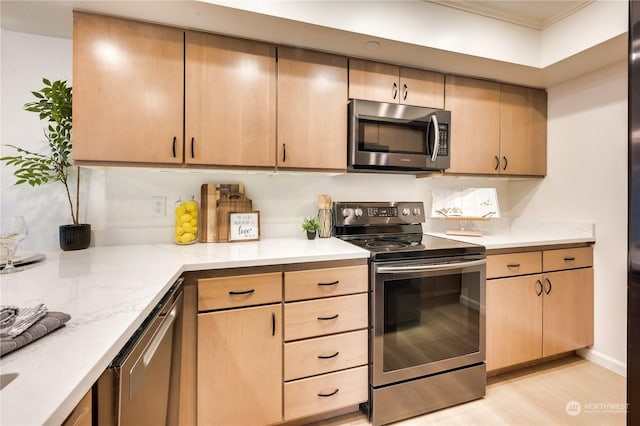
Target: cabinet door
{"x":312,"y":110}
{"x":373,"y":81}
{"x":523,"y":131}
{"x":514,"y":321}
{"x":230,"y":101}
{"x":421,"y":88}
{"x":568,"y":311}
{"x":128,"y":82}
{"x":475,"y":124}
{"x":240,"y":366}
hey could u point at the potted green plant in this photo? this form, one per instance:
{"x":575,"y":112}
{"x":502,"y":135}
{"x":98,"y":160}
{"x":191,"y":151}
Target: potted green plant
{"x":311,"y":225}
{"x":53,"y":104}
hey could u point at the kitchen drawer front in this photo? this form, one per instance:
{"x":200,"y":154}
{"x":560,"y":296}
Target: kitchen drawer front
{"x":325,"y":316}
{"x":304,"y":398}
{"x":243,"y":290}
{"x":312,"y":284}
{"x":511,"y":264}
{"x":325,"y":354}
{"x":571,"y":258}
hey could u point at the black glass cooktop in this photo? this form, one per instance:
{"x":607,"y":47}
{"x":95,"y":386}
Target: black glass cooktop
{"x":411,"y":246}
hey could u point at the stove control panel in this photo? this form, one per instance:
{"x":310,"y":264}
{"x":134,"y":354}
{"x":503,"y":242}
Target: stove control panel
{"x":378,"y":213}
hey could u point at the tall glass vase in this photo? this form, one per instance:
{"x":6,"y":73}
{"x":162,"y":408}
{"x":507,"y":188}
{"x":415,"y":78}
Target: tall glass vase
{"x":324,"y":217}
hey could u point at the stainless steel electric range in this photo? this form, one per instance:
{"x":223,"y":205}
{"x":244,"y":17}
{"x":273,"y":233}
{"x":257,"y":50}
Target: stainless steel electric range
{"x":426,"y":310}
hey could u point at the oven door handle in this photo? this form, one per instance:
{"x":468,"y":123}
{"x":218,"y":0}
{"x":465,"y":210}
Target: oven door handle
{"x":430,"y":268}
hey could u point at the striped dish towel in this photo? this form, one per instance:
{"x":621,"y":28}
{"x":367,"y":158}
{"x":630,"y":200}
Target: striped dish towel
{"x":24,"y":319}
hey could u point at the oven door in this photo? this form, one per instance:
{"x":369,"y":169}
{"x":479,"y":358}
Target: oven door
{"x":428,"y":316}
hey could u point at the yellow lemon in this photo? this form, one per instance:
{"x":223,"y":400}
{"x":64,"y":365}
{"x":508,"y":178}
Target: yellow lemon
{"x":194,"y":213}
{"x":185,"y":218}
{"x":194,"y":222}
{"x":180,"y":210}
{"x":178,"y":239}
{"x":187,"y":237}
{"x":186,"y":227}
{"x":179,"y":230}
{"x":190,"y":205}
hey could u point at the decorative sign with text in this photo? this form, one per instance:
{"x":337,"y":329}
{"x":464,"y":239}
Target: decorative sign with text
{"x":244,"y":226}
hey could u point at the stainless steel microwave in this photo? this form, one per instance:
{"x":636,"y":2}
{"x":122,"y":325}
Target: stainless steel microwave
{"x":397,"y":138}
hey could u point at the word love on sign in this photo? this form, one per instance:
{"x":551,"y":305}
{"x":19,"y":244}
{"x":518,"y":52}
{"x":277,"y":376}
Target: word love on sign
{"x":244,"y":226}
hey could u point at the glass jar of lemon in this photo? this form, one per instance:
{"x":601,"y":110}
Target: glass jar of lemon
{"x":186,"y":231}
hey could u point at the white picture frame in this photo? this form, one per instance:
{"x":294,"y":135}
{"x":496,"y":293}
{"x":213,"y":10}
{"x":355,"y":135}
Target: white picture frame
{"x":244,"y":226}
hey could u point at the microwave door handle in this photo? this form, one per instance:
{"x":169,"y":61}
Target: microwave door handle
{"x":436,"y":138}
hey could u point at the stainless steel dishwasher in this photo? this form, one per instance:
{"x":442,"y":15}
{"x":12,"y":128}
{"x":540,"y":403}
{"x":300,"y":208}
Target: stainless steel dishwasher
{"x":136,"y":388}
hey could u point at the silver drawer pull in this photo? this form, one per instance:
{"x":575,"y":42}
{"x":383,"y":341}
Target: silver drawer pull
{"x":325,"y":395}
{"x":328,"y":318}
{"x":328,"y":356}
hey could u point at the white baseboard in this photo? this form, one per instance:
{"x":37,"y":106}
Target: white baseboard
{"x":603,"y":360}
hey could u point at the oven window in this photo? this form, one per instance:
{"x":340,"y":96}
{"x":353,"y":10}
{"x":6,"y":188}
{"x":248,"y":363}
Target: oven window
{"x":430,"y":318}
{"x":401,"y":138}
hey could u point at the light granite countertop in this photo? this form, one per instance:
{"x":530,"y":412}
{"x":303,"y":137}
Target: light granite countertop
{"x":109,"y":291}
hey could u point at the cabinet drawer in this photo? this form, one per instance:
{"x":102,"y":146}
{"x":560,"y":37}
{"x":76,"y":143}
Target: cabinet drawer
{"x":325,"y":354}
{"x":511,"y":264}
{"x":300,"y":285}
{"x":244,"y":290}
{"x":556,"y":260}
{"x":325,"y":316}
{"x":324,"y":393}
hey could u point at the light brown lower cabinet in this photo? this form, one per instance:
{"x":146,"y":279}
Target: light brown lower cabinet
{"x":548,"y":310}
{"x":81,"y":415}
{"x":240,"y":366}
{"x":325,"y":393}
{"x":248,"y":371}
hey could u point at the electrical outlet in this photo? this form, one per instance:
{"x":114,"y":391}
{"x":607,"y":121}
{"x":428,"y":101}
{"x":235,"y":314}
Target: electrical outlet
{"x":158,"y":206}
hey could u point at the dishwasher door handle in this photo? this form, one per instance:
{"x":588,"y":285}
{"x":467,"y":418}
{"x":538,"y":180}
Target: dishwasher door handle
{"x":139,"y":368}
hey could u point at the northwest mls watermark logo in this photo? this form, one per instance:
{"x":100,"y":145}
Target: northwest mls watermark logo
{"x":574,"y":408}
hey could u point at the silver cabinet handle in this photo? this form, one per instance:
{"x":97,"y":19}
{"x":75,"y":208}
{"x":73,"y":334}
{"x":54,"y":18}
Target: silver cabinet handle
{"x":435,"y":267}
{"x":436,"y":137}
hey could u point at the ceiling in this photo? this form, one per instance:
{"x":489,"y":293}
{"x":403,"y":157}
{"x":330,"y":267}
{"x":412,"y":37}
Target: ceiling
{"x":536,"y":14}
{"x":53,"y":18}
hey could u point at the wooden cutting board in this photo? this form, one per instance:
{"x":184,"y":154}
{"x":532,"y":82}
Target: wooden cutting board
{"x":217,"y":200}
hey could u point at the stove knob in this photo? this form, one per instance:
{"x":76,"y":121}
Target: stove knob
{"x":416,"y":211}
{"x":405,"y":212}
{"x":358,"y":212}
{"x":346,"y":212}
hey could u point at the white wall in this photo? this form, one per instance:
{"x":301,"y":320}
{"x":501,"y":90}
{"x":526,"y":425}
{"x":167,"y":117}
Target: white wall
{"x":587,"y":181}
{"x":117,"y":201}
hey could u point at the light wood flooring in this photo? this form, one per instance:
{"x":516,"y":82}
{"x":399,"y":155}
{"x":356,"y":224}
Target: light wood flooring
{"x":533,"y":396}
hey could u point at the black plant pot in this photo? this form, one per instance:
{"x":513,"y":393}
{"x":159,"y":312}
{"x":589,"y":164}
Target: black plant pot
{"x":75,"y":237}
{"x":311,"y":235}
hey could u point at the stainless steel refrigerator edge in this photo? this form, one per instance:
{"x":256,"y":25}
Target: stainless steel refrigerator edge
{"x":633,"y":308}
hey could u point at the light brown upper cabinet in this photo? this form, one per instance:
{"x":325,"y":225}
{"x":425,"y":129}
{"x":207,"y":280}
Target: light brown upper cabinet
{"x":475,"y":124}
{"x":230,"y":101}
{"x":393,"y":84}
{"x":497,"y":129}
{"x":312,"y":110}
{"x":127,"y":91}
{"x":523,"y":130}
